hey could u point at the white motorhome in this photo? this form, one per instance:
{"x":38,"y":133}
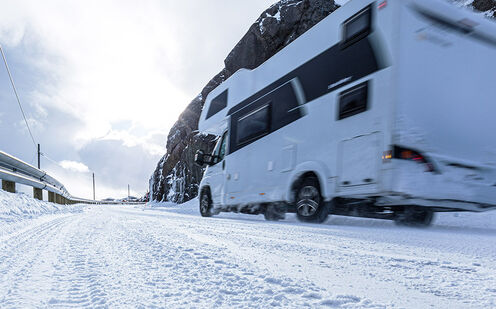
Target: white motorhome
{"x":384,"y":109}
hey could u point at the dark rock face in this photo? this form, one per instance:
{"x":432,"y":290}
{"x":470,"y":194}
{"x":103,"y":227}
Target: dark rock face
{"x":176,"y":177}
{"x":274,"y":29}
{"x":485,"y":6}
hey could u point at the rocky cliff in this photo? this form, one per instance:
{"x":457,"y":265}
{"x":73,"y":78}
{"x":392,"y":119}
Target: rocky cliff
{"x":176,"y":177}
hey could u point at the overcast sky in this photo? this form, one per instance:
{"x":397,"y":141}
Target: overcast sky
{"x":103,"y":81}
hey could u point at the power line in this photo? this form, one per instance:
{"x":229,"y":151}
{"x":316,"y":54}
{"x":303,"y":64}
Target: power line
{"x":50,"y":159}
{"x":17,"y":96}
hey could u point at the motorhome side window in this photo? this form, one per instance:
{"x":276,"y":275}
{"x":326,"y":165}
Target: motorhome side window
{"x":353,"y":101}
{"x":284,"y":108}
{"x":253,"y":125}
{"x":220,"y":149}
{"x":357,"y":27}
{"x":218,"y":103}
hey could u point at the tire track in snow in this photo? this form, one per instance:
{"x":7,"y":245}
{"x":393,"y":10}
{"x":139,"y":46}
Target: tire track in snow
{"x":428,"y":274}
{"x":208,"y":275}
{"x":122,"y":257}
{"x":238,"y":280}
{"x":79,"y":273}
{"x":24,"y":262}
{"x":53,"y":265}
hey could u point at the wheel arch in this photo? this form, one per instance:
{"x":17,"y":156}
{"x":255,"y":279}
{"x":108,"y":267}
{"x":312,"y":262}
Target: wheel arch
{"x":308,"y":169}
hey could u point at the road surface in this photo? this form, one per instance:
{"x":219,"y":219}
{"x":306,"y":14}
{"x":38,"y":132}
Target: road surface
{"x":122,"y":256}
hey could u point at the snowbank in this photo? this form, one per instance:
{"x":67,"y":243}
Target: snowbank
{"x":19,"y":208}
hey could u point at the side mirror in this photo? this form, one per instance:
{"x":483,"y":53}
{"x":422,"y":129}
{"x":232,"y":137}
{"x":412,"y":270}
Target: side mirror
{"x":200,"y":158}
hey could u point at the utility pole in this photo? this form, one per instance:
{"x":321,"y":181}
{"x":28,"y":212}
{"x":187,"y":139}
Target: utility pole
{"x":128,"y":194}
{"x":39,"y":153}
{"x":94,"y":186}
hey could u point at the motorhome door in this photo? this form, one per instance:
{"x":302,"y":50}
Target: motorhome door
{"x":217,"y":172}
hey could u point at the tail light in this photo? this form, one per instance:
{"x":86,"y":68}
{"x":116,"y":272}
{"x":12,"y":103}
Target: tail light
{"x":413,"y":155}
{"x":387,"y":156}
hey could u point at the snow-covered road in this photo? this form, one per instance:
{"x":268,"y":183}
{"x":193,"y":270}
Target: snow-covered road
{"x":120,"y":256}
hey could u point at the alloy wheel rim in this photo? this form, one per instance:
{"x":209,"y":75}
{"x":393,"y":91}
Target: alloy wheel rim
{"x":308,"y":201}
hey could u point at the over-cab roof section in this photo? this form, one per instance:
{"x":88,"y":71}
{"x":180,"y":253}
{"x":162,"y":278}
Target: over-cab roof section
{"x":213,"y":118}
{"x":318,"y":48}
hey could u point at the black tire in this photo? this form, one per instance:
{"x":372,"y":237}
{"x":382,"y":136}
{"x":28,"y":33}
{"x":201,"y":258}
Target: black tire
{"x":275,"y":212}
{"x":414,"y":217}
{"x":310,"y":206}
{"x":205,"y":203}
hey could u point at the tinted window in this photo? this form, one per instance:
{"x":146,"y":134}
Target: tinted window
{"x":215,"y":152}
{"x":353,"y":101}
{"x":222,"y":150}
{"x":218,"y":103}
{"x":253,"y":125}
{"x":357,"y":27}
{"x":268,"y":113}
{"x":284,"y":107}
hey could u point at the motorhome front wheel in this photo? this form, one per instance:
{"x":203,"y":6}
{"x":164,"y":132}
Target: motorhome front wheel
{"x":205,"y":204}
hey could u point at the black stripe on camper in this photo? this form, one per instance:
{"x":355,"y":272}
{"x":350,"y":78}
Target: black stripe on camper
{"x":326,"y":72}
{"x":280,"y":108}
{"x":332,"y":69}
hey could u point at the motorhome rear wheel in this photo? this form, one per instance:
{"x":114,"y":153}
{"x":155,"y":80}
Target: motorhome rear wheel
{"x":309,"y":204}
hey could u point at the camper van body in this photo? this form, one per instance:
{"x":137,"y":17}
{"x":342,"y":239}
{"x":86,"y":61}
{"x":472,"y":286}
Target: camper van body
{"x":384,"y":103}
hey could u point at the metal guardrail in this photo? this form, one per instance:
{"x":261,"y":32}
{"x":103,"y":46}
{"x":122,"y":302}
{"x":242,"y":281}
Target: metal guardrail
{"x":17,"y":171}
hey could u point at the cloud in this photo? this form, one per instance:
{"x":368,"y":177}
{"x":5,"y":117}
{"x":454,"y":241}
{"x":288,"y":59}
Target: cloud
{"x":74,"y":166}
{"x":104,"y":80}
{"x":106,"y":61}
{"x":34,"y":125}
{"x":116,"y":165}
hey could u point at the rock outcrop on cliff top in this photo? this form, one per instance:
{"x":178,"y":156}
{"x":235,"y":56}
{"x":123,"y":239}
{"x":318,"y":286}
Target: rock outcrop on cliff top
{"x":488,"y":6}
